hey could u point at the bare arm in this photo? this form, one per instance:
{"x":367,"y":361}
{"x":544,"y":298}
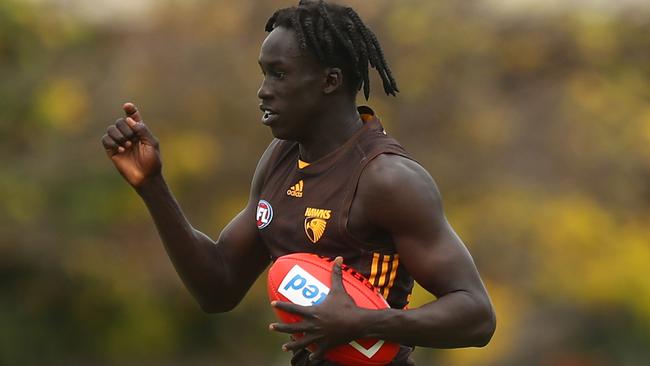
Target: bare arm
{"x":398,"y":195}
{"x":218,"y":273}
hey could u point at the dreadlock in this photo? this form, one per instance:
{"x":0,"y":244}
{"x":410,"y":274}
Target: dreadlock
{"x":337,"y":37}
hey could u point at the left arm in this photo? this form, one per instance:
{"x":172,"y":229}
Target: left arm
{"x":398,"y":197}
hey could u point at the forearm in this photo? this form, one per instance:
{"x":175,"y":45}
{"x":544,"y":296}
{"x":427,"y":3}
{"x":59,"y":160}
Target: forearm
{"x":194,"y":255}
{"x":457,"y":319}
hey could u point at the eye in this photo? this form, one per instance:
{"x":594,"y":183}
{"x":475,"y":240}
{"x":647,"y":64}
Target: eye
{"x":278,"y":74}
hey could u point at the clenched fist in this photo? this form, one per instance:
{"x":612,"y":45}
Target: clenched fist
{"x":132,"y":147}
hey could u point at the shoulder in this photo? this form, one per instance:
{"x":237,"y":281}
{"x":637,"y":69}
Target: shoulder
{"x":263,"y":165}
{"x":396,"y":174}
{"x":393,"y":187}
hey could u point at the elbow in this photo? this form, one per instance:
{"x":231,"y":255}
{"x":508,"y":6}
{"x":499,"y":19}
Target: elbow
{"x":216,"y":305}
{"x":485,"y":327}
{"x":213,"y":307}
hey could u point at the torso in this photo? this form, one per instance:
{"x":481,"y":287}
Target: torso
{"x":313,"y":210}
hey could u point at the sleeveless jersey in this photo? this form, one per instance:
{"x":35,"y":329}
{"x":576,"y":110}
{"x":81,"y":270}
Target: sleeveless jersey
{"x":306,"y":210}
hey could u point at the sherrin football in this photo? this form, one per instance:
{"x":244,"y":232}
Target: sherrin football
{"x":305,"y":279}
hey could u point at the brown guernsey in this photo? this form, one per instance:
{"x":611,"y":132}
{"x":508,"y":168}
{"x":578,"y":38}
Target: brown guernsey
{"x":304,"y":207}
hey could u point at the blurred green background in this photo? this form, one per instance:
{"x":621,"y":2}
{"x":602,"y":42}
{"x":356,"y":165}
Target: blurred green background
{"x":533,"y":117}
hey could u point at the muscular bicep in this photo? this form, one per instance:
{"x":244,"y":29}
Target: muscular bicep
{"x":438,"y":260}
{"x":402,"y":199}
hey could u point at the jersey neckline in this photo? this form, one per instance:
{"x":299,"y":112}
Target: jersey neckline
{"x":370,"y":122}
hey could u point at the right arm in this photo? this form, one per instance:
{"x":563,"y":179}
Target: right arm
{"x":217,"y":273}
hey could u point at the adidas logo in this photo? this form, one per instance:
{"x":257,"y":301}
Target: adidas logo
{"x":296,"y":190}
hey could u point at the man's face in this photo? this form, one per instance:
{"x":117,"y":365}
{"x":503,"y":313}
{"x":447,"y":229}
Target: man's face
{"x":292,"y":90}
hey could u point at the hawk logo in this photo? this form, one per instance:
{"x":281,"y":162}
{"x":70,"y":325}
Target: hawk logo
{"x":264,"y":214}
{"x":296,"y":190}
{"x":316,"y":222}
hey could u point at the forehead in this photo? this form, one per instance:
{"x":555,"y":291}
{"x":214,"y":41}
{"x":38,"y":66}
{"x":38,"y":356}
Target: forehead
{"x":280,"y":45}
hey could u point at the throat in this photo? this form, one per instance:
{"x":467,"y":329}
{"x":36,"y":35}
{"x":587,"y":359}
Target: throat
{"x":325,"y":142}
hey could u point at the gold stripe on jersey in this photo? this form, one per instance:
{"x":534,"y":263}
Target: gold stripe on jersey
{"x":373,"y":269}
{"x":384,"y":271}
{"x":391,"y":278}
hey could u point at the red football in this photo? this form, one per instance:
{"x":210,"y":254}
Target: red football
{"x":305,"y":279}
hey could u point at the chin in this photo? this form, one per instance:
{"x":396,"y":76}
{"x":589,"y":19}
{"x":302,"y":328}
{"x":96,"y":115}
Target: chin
{"x":278,"y":133}
{"x":284,"y":132}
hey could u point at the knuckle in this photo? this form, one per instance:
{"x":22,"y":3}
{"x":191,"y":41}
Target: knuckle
{"x":108,"y":143}
{"x":123,"y":126}
{"x":128,"y":133}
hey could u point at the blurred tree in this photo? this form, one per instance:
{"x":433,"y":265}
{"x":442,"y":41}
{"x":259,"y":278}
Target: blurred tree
{"x":535,"y":125}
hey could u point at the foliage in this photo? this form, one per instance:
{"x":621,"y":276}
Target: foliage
{"x":535,"y":125}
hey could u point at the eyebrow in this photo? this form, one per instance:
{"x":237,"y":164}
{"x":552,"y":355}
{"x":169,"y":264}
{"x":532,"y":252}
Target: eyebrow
{"x":271,"y":63}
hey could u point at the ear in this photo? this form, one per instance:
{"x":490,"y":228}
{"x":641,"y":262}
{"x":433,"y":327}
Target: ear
{"x":333,"y":80}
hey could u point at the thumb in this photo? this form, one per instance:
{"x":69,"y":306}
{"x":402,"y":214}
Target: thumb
{"x":142,"y":131}
{"x":131,"y":111}
{"x":337,"y":275}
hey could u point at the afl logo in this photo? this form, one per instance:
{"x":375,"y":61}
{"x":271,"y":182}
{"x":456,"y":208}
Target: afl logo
{"x":264,"y":214}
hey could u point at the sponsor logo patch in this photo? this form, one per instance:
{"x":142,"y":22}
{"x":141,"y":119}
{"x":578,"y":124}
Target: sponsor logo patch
{"x":264,"y":214}
{"x":296,"y":189}
{"x":302,"y":288}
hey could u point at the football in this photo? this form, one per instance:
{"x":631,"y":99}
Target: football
{"x":305,"y":279}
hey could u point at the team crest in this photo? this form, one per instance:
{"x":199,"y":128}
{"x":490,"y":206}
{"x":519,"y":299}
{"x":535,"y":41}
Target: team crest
{"x":316,"y":223}
{"x":264,"y":214}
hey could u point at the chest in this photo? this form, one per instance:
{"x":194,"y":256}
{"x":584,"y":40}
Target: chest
{"x":303,"y":212}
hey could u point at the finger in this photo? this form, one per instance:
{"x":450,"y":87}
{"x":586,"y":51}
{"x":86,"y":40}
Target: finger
{"x":302,"y":342}
{"x":291,"y":328}
{"x":321,"y":349}
{"x":109,"y":145}
{"x":293,"y":308}
{"x":128,"y":133}
{"x":337,"y":275}
{"x":116,"y":135}
{"x":142,"y":131}
{"x":132,"y":111}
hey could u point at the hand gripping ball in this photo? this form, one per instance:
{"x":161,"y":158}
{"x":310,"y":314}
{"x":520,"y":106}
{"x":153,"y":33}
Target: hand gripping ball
{"x":305,"y":279}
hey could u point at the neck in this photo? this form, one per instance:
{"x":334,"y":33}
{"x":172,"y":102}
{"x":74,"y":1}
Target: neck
{"x":331,"y":129}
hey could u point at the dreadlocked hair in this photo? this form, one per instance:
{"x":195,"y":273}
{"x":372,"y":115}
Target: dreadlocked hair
{"x":336,"y":36}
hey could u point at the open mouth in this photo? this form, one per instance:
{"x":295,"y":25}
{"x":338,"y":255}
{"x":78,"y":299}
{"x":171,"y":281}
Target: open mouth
{"x":268,"y":116}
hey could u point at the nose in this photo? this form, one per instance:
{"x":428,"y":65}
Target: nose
{"x":263,"y":92}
